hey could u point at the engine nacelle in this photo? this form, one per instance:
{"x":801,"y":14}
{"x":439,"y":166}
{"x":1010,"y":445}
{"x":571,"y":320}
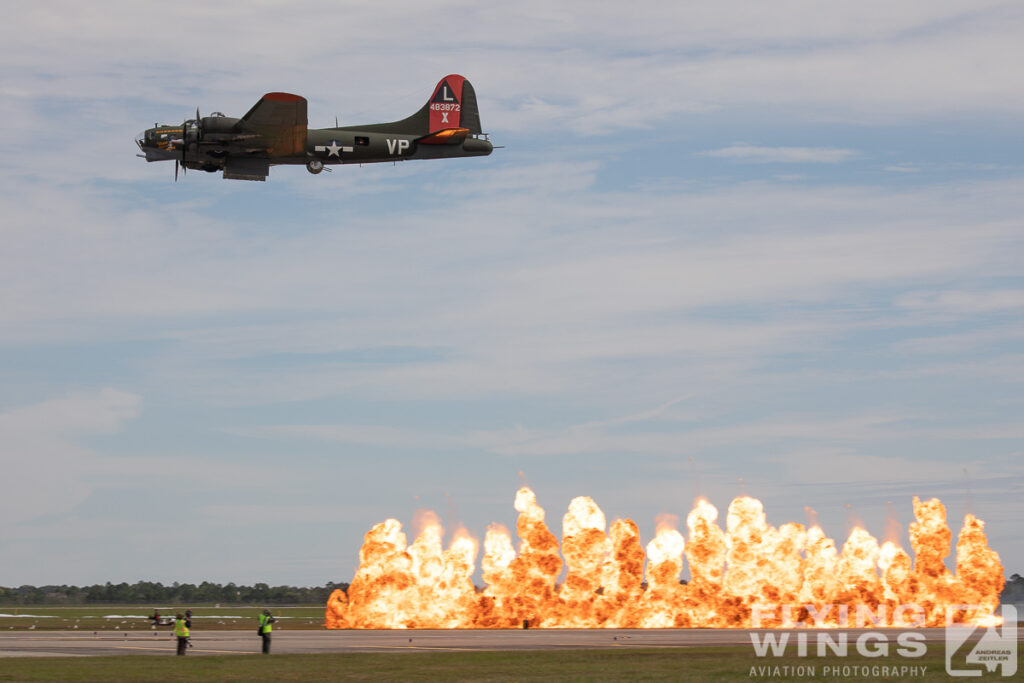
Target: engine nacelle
{"x":219,"y":124}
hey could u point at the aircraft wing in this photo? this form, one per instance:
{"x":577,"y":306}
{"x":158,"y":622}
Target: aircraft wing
{"x":280,"y":119}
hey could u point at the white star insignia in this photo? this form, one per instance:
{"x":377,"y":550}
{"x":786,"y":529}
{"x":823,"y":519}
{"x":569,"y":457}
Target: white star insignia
{"x":333,"y":149}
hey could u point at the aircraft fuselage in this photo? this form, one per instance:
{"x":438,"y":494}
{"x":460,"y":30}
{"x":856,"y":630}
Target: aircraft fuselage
{"x":274,"y":133}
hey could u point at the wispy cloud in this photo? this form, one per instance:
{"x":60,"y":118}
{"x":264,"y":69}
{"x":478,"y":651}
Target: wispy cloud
{"x":903,"y":168}
{"x":669,"y":435}
{"x":961,"y":301}
{"x":947,"y":167}
{"x":781,"y":155}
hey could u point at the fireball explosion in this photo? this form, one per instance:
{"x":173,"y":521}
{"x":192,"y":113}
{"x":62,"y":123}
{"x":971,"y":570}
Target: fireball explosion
{"x":733,"y":573}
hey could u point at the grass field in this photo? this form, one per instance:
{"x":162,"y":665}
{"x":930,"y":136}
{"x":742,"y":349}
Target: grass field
{"x":133,"y":618}
{"x":691,"y":664}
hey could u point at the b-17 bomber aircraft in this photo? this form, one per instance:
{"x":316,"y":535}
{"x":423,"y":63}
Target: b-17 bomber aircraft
{"x":274,"y":132}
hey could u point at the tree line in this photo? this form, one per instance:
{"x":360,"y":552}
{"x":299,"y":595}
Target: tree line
{"x":1013,"y":591}
{"x":156,"y":593}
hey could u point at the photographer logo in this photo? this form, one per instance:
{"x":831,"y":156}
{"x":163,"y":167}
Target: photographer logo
{"x":973,"y":650}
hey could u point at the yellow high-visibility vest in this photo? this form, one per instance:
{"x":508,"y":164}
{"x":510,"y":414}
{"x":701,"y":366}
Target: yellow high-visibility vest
{"x":180,"y":629}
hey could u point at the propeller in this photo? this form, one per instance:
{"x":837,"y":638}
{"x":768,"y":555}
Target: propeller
{"x":181,"y":162}
{"x":184,"y":144}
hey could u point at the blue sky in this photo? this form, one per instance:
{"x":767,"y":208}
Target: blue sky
{"x":772,"y":250}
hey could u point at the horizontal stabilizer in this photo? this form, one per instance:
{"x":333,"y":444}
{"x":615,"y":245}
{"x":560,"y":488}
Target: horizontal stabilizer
{"x":449,"y":136}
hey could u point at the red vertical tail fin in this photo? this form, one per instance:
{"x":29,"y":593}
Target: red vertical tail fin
{"x":446,"y":103}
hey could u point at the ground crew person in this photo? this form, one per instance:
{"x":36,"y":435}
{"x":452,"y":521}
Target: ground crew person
{"x":181,"y":632}
{"x":265,"y":621}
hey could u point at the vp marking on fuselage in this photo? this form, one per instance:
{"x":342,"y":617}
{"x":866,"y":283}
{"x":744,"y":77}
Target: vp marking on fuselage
{"x":397,"y":146}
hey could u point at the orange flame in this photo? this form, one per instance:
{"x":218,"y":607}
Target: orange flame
{"x":749,"y":572}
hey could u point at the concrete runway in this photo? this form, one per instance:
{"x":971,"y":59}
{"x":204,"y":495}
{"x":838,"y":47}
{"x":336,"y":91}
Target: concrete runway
{"x":78,"y":644}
